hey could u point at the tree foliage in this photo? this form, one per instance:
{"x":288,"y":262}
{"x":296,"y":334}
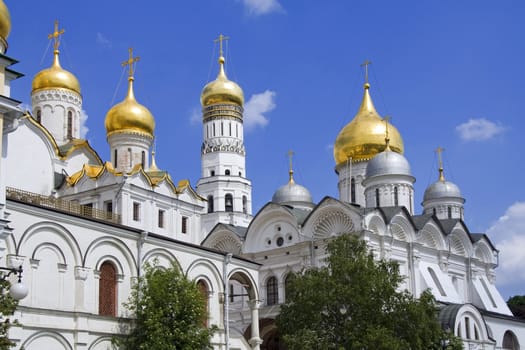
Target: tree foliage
{"x":169,"y":313}
{"x":517,"y":306}
{"x":7,"y":308}
{"x":354,"y":303}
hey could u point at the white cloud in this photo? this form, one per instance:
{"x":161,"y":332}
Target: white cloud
{"x":102,"y":40}
{"x":195,"y":116}
{"x":508,"y":233}
{"x":479,"y":130}
{"x":83,"y":128}
{"x":262,"y":7}
{"x":256,"y":107}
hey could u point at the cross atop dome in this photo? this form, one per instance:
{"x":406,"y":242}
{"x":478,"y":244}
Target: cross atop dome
{"x":129,"y":62}
{"x":220,"y":39}
{"x":439,"y":152}
{"x":365,"y":64}
{"x":55,"y":36}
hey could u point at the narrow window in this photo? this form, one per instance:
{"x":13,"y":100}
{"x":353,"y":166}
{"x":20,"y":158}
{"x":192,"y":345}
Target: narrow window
{"x":449,"y":212}
{"x":396,"y":197}
{"x":213,"y":129}
{"x":107,"y":290}
{"x":143,"y":160}
{"x":240,"y":174}
{"x":39,"y":116}
{"x":236,"y":130}
{"x":272,"y":293}
{"x":69,"y":125}
{"x":352,"y":190}
{"x":222,"y":129}
{"x":87,"y":209}
{"x":184,"y":224}
{"x":130,"y":158}
{"x":210,"y":204}
{"x":161,"y":218}
{"x":203,"y":289}
{"x":244,"y":204}
{"x":230,"y":128}
{"x":377,"y":198}
{"x":136,"y":211}
{"x":115,"y":156}
{"x":232,"y":293}
{"x":434,"y":211}
{"x":207,"y":131}
{"x":228,"y":202}
{"x":287,"y":282}
{"x":467,"y":327}
{"x":108,"y":208}
{"x":212,"y":173}
{"x":227,"y":172}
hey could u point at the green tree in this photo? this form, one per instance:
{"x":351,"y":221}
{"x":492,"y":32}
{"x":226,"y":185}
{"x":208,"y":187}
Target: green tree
{"x":517,"y":306}
{"x":169,"y":313}
{"x":353,"y":303}
{"x":7,"y":308}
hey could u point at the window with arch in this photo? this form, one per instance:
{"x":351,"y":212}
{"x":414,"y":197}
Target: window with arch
{"x":143,"y":159}
{"x":510,"y":341}
{"x":210,"y":204}
{"x":227,"y":172}
{"x":115,"y":154}
{"x":222,"y":129}
{"x":449,"y":209}
{"x":244,"y":204}
{"x":352,"y":190}
{"x":228,"y":202}
{"x":107,"y":290}
{"x":468,"y":328}
{"x":272,"y":293}
{"x":203,"y":288}
{"x":69,"y":125}
{"x":396,"y":197}
{"x":39,"y":116}
{"x":130,"y":155}
{"x":377,"y":198}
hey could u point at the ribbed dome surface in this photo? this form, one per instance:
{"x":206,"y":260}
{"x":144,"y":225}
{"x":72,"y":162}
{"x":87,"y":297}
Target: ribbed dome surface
{"x":388,"y":163}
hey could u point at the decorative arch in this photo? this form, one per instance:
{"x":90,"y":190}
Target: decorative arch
{"x":457,"y":244}
{"x":225,"y":242}
{"x":332,"y":223}
{"x":430,"y":236}
{"x":107,"y":293}
{"x":402,"y":229}
{"x":203,"y":268}
{"x":245,"y":278}
{"x":510,"y":341}
{"x":376,"y":224}
{"x":164,"y":254}
{"x":115,"y":243}
{"x":483,"y":252}
{"x":54,"y":248}
{"x":37,"y":341}
{"x":101,"y":343}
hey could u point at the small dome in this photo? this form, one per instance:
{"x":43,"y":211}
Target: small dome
{"x":442,"y":189}
{"x":388,"y":163}
{"x":129,"y":115}
{"x":292,"y":192}
{"x":222,"y":90}
{"x":364,"y":136}
{"x":55,"y":77}
{"x":5,"y":21}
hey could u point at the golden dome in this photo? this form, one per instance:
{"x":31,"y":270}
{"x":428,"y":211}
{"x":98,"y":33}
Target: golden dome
{"x":222,"y":90}
{"x":364,"y":136}
{"x":5,"y":21}
{"x":55,"y":77}
{"x":129,"y":115}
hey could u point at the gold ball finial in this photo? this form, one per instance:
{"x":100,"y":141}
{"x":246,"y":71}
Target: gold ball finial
{"x":5,"y":22}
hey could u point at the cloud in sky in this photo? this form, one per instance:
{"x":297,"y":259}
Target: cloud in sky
{"x":102,"y":40}
{"x":479,"y":129}
{"x":508,"y":232}
{"x":83,"y":127}
{"x":262,"y":7}
{"x":256,"y":107}
{"x":195,"y":116}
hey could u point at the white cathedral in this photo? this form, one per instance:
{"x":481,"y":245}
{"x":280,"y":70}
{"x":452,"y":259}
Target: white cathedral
{"x":83,"y":228}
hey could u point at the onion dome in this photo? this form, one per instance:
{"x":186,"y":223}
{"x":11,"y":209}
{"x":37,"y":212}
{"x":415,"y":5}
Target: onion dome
{"x":222,"y":90}
{"x":5,"y":22}
{"x":55,"y":77}
{"x":292,"y":193}
{"x":129,"y":115}
{"x":442,"y":189}
{"x":364,"y":136}
{"x":388,"y":163}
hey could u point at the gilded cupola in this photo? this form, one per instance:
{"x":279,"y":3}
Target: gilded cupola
{"x":5,"y":23}
{"x":222,"y":90}
{"x":129,"y":115}
{"x":55,"y":77}
{"x":364,"y":136}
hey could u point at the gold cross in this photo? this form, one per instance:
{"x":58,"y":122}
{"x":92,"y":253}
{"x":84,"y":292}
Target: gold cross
{"x":130,"y":62}
{"x":220,"y":39}
{"x":365,"y":64}
{"x":56,"y":36}
{"x":439,"y":152}
{"x":386,"y":119}
{"x":290,"y":157}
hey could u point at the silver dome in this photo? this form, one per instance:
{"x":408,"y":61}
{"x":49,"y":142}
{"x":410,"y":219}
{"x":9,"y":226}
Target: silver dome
{"x":388,"y":163}
{"x":292,"y":192}
{"x":442,"y":189}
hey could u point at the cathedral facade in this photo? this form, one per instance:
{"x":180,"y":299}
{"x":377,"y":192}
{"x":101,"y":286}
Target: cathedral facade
{"x":82,"y":228}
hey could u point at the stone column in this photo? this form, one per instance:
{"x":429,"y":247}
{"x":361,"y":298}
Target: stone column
{"x":255,"y":341}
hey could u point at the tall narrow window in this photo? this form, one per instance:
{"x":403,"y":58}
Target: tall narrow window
{"x":130,"y":155}
{"x":232,"y":293}
{"x":203,"y":288}
{"x":115,"y":157}
{"x":236,"y":130}
{"x":449,"y":209}
{"x":108,"y":208}
{"x":69,"y":125}
{"x":230,"y":128}
{"x":39,"y":116}
{"x":377,"y":198}
{"x":227,"y":172}
{"x":143,"y":155}
{"x":107,"y":290}
{"x":272,"y":293}
{"x":228,"y":202}
{"x":184,"y":224}
{"x":161,"y":218}
{"x":213,"y":129}
{"x":136,"y":211}
{"x":396,"y":197}
{"x":222,"y":129}
{"x":244,"y":204}
{"x":352,"y":190}
{"x":210,"y":204}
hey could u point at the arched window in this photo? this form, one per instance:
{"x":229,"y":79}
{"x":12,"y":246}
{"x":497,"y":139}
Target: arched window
{"x":352,"y":190}
{"x":449,"y":212}
{"x":228,"y":202}
{"x":377,"y":198}
{"x":39,"y":116}
{"x":244,"y":204}
{"x":69,"y":125}
{"x":434,"y":211}
{"x":130,"y":155}
{"x":510,"y":341}
{"x":210,"y":204}
{"x":107,"y":290}
{"x":115,"y":156}
{"x":203,"y":288}
{"x":143,"y":159}
{"x":272,"y":293}
{"x":396,"y":197}
{"x":227,"y":172}
{"x":213,"y":125}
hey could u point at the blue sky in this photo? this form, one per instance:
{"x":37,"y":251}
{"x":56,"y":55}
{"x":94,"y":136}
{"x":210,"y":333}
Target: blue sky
{"x":449,"y":73}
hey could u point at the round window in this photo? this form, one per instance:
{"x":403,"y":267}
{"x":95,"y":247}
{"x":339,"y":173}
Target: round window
{"x":280,"y":241}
